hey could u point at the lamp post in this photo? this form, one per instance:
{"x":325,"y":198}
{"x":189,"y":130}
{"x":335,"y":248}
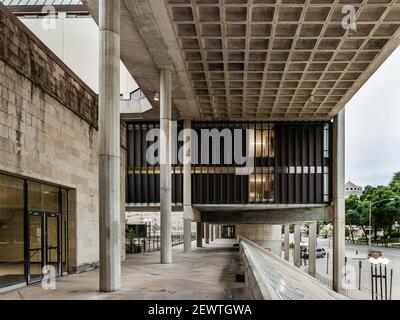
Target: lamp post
{"x":370,"y":218}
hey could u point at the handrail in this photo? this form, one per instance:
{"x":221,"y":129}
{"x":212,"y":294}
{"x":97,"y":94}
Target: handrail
{"x":269,"y":277}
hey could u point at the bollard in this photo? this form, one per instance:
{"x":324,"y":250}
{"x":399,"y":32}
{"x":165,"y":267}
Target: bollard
{"x":327,"y":263}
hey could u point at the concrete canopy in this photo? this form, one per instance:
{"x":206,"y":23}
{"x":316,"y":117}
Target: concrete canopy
{"x":256,"y":59}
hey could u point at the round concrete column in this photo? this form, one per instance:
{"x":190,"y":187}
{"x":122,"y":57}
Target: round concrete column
{"x":267,"y":236}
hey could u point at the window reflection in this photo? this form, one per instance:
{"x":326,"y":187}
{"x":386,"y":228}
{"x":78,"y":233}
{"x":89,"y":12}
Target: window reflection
{"x":11,"y":231}
{"x":261,"y":187}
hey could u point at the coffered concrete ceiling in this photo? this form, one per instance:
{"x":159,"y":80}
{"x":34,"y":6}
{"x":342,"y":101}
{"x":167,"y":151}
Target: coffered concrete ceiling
{"x":257,"y":59}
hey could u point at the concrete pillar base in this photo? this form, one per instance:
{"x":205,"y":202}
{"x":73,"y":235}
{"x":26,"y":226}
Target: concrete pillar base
{"x":267,"y":236}
{"x":187,"y":234}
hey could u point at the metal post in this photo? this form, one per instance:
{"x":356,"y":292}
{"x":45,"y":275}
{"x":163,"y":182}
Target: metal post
{"x":391,"y":283}
{"x":359,"y":274}
{"x":327,"y":263}
{"x":372,"y":281}
{"x":370,"y":225}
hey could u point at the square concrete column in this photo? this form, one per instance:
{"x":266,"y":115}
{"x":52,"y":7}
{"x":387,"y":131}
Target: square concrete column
{"x":187,"y":186}
{"x":286,"y":242}
{"x":199,"y":234}
{"x":297,"y":243}
{"x":339,"y":245}
{"x":109,"y":146}
{"x":212,"y":229}
{"x":207,"y":233}
{"x":165,"y":165}
{"x":312,"y":249}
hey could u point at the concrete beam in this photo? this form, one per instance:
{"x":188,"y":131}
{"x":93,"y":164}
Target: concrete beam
{"x":165,"y":166}
{"x":273,"y":216}
{"x":338,"y":199}
{"x":109,"y":146}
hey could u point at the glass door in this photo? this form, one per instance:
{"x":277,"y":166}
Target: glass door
{"x":36,"y":237}
{"x":52,"y":243}
{"x":44,"y":243}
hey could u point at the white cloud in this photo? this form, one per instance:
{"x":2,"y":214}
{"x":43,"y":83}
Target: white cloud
{"x":373,"y":127}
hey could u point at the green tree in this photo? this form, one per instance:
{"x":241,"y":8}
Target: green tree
{"x":384,"y":213}
{"x":354,"y":214}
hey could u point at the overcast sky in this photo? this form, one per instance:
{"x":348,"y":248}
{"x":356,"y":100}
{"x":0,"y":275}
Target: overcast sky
{"x":373,"y":127}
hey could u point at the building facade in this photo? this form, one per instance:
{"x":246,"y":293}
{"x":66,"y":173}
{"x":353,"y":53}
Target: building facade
{"x":352,"y":189}
{"x":49,"y":161}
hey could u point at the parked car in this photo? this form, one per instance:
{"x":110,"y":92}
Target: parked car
{"x":321,"y":253}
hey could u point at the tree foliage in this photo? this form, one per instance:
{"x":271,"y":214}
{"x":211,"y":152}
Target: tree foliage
{"x":384,"y":202}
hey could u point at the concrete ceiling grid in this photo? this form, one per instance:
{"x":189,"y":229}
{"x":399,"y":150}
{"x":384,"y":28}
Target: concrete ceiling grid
{"x":263,"y":59}
{"x":273,"y":60}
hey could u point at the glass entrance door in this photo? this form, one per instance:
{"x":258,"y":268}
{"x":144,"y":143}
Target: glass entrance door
{"x":36,"y":237}
{"x":44,"y":243}
{"x":52,"y":237}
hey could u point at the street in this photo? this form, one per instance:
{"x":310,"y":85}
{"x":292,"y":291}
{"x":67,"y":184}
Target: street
{"x":357,"y":257}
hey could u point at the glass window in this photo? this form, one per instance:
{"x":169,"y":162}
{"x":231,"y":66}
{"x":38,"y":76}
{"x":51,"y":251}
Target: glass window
{"x":11,"y":231}
{"x":43,"y":198}
{"x":261,"y":188}
{"x":263,"y":142}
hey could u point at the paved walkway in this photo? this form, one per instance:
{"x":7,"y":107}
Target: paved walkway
{"x":205,"y":274}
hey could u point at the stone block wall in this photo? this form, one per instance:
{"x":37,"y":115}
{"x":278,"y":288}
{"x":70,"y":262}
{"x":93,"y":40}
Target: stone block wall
{"x":48,"y":132}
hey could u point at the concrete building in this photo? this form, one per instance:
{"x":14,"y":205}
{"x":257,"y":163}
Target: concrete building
{"x":245,"y":132}
{"x":351,"y":189}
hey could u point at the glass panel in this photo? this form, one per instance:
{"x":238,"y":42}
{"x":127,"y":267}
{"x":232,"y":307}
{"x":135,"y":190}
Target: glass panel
{"x":35,"y":249}
{"x":43,"y":198}
{"x":11,"y":231}
{"x":52,"y":241}
{"x":261,"y":188}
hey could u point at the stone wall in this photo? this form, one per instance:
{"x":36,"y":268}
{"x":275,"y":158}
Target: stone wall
{"x":27,"y":55}
{"x":48,"y":131}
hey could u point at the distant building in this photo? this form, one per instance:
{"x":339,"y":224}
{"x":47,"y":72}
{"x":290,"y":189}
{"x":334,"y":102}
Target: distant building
{"x":351,"y":189}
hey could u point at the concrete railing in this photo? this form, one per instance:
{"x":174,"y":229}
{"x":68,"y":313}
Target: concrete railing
{"x":269,"y":277}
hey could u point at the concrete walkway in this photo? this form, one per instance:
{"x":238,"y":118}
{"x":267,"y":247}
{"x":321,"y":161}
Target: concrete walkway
{"x":205,"y":274}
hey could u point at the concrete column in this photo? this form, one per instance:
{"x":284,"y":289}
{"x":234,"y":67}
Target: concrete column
{"x":312,"y":249}
{"x":265,"y":235}
{"x":338,"y":200}
{"x":207,"y":233}
{"x":219,"y":232}
{"x":297,"y":241}
{"x":212,"y":234}
{"x":286,"y":242}
{"x":199,"y":234}
{"x":165,"y":165}
{"x":187,"y":187}
{"x":109,"y":146}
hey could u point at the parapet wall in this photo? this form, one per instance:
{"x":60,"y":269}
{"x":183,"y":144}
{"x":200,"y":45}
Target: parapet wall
{"x":26,"y":54}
